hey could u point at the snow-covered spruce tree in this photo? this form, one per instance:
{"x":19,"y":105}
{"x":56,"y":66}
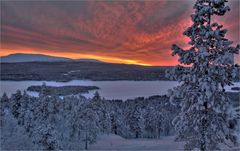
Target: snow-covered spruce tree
{"x":206,"y":118}
{"x":136,"y":121}
{"x":102,"y":108}
{"x":89,"y":125}
{"x":153,"y":122}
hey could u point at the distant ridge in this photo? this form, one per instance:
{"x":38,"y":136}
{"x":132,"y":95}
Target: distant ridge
{"x":89,"y":60}
{"x":23,"y":57}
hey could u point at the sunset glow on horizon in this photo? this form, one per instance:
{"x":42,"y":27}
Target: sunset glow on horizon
{"x":119,"y":32}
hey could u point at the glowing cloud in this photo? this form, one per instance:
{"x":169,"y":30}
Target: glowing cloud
{"x":112,"y":31}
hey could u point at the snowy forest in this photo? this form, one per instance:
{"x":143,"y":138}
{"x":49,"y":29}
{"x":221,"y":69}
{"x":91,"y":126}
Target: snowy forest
{"x":52,"y":122}
{"x":73,"y":122}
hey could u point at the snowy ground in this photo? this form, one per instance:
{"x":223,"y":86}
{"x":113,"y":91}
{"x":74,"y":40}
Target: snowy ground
{"x":114,"y":142}
{"x":228,"y":88}
{"x":117,"y":143}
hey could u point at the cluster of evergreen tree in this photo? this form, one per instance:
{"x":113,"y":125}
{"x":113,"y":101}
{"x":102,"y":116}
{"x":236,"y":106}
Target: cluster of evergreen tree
{"x":73,"y":122}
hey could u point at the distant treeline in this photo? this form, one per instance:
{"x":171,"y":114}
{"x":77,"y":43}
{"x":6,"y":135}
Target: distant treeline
{"x":66,"y":71}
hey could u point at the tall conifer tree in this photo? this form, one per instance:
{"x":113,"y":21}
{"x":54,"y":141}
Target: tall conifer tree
{"x":206,"y":117}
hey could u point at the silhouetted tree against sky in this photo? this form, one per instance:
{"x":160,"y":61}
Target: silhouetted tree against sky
{"x":206,"y":118}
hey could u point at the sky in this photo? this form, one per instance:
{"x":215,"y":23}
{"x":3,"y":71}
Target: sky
{"x":129,"y":32}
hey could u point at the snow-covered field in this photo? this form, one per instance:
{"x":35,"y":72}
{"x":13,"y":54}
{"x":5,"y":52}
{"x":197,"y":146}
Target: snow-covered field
{"x":113,"y":142}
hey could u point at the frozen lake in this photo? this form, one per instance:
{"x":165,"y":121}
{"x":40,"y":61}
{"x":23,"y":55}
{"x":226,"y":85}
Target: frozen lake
{"x":108,"y":89}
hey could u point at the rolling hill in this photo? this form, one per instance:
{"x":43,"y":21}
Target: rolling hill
{"x":21,"y":57}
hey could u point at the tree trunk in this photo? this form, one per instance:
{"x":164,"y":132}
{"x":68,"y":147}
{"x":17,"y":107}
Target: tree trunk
{"x":204,"y":128}
{"x":86,"y":142}
{"x":136,"y":134}
{"x":159,"y":132}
